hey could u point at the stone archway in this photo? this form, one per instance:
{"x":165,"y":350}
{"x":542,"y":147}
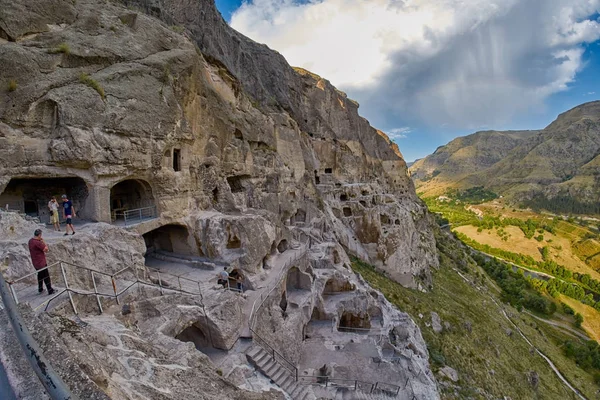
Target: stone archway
{"x":31,"y":196}
{"x":132,"y":198}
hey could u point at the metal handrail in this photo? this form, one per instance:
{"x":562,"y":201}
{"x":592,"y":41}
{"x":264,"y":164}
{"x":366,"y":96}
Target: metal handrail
{"x":356,"y":383}
{"x":93,"y":272}
{"x":138,"y":214}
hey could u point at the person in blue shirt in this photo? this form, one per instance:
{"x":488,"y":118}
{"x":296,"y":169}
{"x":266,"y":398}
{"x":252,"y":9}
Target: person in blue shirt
{"x":68,"y":214}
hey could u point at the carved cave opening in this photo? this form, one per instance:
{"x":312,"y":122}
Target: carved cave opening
{"x":282,"y":246}
{"x":176,"y":160}
{"x":238,"y":183}
{"x":343,"y":197}
{"x":200,"y":335}
{"x":128,"y":195}
{"x":31,"y":196}
{"x":329,"y":170}
{"x":297,"y":280}
{"x":170,"y":238}
{"x":338,"y":285}
{"x":354,"y":322}
{"x":347,"y":211}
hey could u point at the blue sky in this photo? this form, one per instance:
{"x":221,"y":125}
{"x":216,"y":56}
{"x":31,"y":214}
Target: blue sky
{"x":433,"y":71}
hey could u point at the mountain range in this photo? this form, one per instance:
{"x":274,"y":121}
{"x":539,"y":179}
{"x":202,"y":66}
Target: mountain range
{"x":556,"y":168}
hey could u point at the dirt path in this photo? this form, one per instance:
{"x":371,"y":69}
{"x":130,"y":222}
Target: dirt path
{"x":550,"y":363}
{"x":560,"y":325}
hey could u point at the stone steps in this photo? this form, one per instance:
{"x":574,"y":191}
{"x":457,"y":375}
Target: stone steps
{"x":264,"y":363}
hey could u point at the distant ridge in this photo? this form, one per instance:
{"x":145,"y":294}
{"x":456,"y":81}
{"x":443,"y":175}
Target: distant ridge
{"x":556,"y":168}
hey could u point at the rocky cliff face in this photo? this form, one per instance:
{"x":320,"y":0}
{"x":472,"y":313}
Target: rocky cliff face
{"x":111,"y":95}
{"x":222,"y":154}
{"x":560,"y":160}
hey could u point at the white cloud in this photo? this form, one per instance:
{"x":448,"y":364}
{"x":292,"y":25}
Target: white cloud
{"x":399,"y":133}
{"x":462,"y":62}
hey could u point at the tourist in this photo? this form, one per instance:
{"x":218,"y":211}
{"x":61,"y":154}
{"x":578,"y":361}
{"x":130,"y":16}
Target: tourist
{"x":223,"y":277}
{"x":38,"y":250}
{"x":53,"y":207}
{"x":68,"y":214}
{"x":239,"y":280}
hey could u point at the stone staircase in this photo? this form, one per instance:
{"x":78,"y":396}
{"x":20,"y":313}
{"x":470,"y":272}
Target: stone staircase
{"x":278,"y":374}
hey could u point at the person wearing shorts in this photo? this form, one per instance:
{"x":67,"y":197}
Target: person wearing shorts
{"x":68,"y":214}
{"x":53,"y":207}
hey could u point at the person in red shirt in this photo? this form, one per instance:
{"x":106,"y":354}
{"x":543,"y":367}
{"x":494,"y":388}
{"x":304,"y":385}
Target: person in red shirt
{"x":38,"y":250}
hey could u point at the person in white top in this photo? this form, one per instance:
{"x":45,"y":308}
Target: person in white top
{"x":53,"y":207}
{"x":223,"y":277}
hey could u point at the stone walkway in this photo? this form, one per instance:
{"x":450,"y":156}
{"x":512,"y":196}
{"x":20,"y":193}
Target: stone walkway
{"x":263,"y":285}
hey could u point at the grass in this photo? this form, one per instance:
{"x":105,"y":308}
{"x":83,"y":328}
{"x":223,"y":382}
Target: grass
{"x":491,"y":362}
{"x":562,"y":250}
{"x":61,"y":48}
{"x":591,"y":316}
{"x":89,"y":81}
{"x":12,"y":85}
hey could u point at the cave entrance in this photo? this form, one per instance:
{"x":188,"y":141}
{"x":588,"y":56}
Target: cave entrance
{"x":238,"y":183}
{"x":297,"y":280}
{"x":336,"y":285}
{"x":354,"y":322}
{"x":31,"y":196}
{"x":282,"y":246}
{"x":131,"y":201}
{"x":200,"y":336}
{"x":172,"y":239}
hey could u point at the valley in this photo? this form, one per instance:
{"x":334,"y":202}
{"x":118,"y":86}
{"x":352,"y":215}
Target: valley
{"x":545,"y":265}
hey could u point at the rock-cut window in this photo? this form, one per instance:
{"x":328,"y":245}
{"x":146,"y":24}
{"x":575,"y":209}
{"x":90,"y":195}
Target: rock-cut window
{"x":176,"y":159}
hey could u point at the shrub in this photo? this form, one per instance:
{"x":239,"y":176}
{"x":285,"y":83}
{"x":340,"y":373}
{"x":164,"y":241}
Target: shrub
{"x":62,"y":48}
{"x":567,"y":309}
{"x":578,"y":320}
{"x":12,"y":85}
{"x":89,"y":81}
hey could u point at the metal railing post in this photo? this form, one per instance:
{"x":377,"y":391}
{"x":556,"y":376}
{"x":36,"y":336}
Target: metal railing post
{"x":179,"y":280}
{"x":62,"y":269}
{"x":96,"y":292}
{"x":160,"y":283}
{"x":14,"y":293}
{"x":140,"y":211}
{"x":114,"y":285}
